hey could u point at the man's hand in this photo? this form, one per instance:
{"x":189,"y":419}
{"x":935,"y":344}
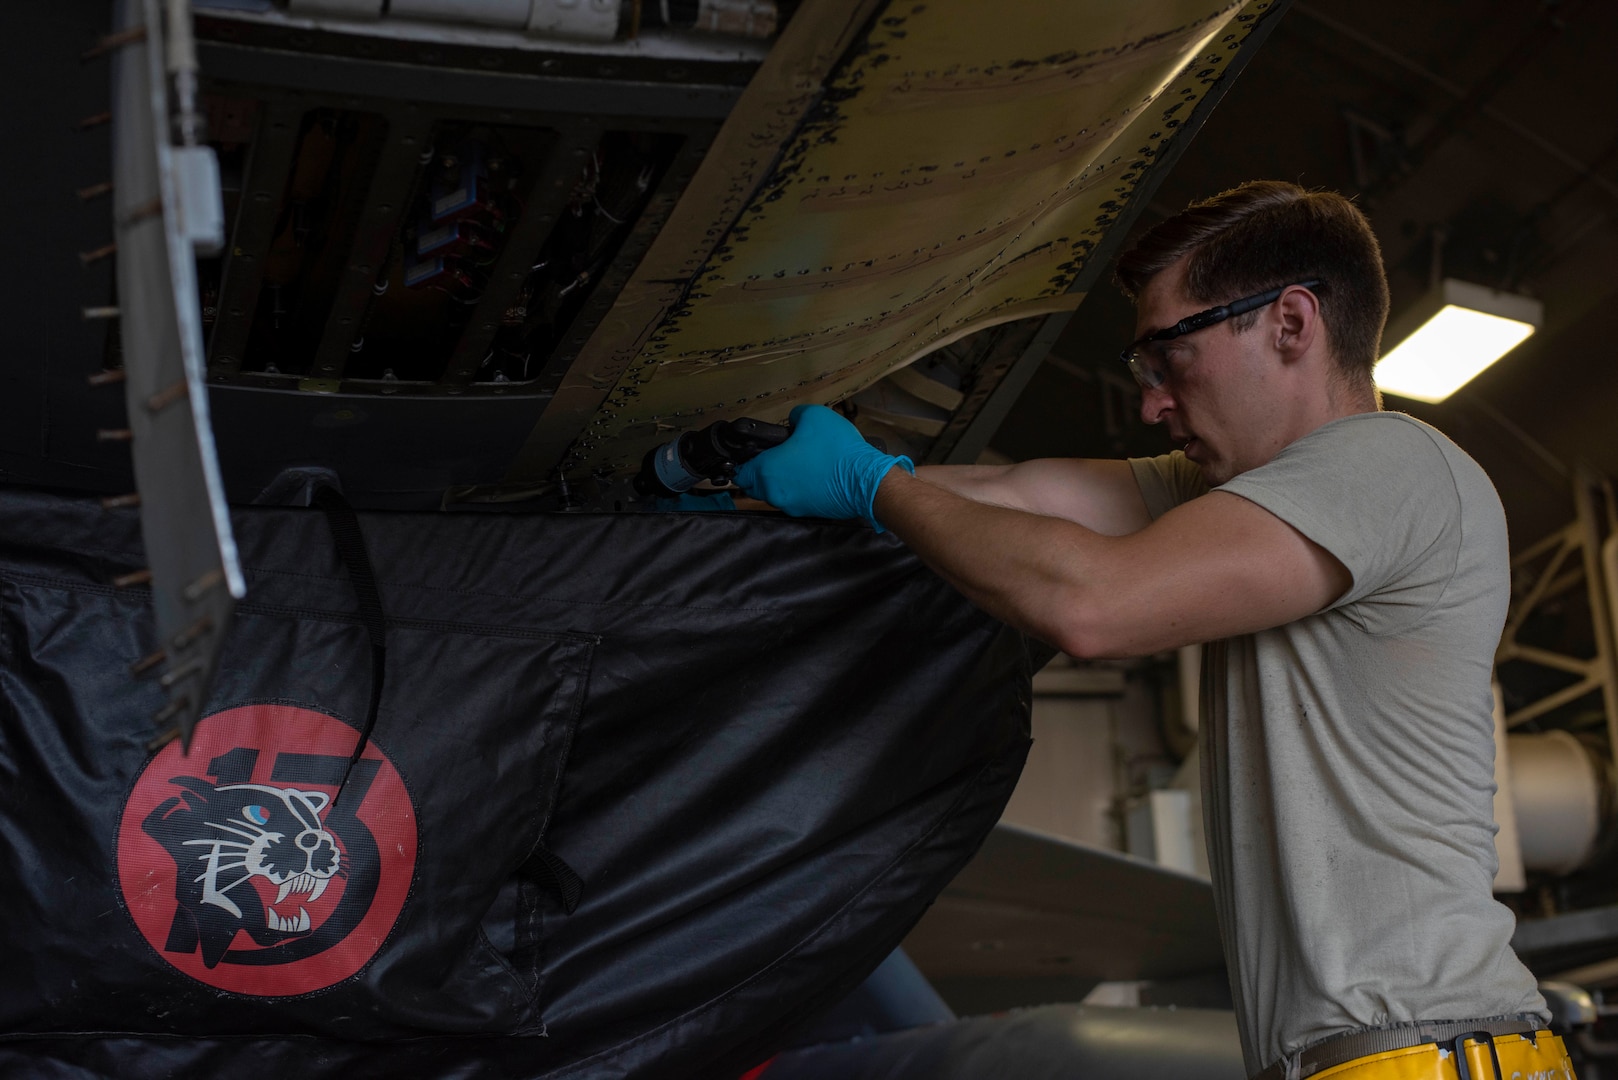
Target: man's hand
{"x":826,"y":469}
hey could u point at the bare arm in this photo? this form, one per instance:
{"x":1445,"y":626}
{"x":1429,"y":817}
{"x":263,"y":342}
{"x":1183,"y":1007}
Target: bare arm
{"x":1211,"y":568}
{"x":1100,"y":495}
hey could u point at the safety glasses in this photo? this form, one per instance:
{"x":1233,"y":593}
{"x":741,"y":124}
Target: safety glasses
{"x":1151,"y":372}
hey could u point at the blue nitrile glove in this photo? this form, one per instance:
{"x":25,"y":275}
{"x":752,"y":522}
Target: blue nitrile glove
{"x":826,"y":469}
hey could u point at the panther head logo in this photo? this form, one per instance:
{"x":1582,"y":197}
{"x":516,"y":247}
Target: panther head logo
{"x":244,"y":841}
{"x":250,"y":865}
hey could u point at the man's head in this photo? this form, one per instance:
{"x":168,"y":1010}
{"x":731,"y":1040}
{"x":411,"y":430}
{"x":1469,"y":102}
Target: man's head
{"x":1315,"y":347}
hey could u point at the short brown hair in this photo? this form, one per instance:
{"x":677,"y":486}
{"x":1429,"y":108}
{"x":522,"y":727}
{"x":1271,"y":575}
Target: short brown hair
{"x":1268,"y":233}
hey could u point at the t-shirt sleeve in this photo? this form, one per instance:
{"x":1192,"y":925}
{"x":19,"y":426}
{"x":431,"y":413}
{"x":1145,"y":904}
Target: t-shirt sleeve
{"x":1167,"y":481}
{"x":1378,"y":493}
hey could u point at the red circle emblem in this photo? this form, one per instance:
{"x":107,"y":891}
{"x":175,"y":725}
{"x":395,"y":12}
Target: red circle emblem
{"x":249,"y":865}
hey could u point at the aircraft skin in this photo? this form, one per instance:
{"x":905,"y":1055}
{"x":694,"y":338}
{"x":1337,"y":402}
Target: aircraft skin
{"x":567,"y":286}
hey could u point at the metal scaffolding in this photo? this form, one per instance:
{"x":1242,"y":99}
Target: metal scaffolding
{"x":1548,"y":570}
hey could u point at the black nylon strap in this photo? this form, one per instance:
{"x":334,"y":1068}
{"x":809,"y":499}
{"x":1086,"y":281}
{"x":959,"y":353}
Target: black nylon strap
{"x":546,"y":869}
{"x":350,"y":544}
{"x":543,"y":867}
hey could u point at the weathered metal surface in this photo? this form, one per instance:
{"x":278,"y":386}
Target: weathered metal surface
{"x":402,"y":451}
{"x":960,"y":169}
{"x":997,"y":389}
{"x":473,"y":86}
{"x":785,"y":87}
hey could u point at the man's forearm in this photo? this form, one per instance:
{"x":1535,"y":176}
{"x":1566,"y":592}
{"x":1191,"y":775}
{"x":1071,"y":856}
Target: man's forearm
{"x":1025,"y":569}
{"x":1215,"y":567}
{"x":1099,"y":494}
{"x":976,"y":482}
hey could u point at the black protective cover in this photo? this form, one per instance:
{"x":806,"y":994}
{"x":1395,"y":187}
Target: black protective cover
{"x":763,"y":745}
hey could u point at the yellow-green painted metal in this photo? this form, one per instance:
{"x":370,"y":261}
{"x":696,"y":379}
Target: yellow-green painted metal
{"x":954,"y":169}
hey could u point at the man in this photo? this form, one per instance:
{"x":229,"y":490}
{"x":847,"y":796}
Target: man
{"x":1347,"y":570}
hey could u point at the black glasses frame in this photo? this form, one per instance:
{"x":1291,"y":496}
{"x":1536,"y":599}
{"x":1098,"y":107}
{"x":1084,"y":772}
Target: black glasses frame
{"x":1151,"y":379}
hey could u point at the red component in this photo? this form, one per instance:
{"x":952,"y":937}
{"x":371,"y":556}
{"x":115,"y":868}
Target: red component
{"x":265,"y":942}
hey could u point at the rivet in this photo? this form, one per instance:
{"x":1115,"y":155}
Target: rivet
{"x":200,"y":587}
{"x":174,"y":392}
{"x":147,"y":663}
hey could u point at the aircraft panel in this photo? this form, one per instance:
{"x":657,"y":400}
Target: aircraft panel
{"x":964,"y":163}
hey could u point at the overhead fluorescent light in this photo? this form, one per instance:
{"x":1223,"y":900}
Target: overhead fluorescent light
{"x":1454,"y":332}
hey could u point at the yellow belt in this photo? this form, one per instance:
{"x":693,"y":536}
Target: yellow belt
{"x":1519,"y":1057}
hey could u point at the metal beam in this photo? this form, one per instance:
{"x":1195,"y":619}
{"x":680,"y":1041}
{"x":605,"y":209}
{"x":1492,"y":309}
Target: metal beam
{"x":1551,"y":702}
{"x":543,"y":203}
{"x":1598,"y":673}
{"x":1564,"y":540}
{"x":1606,"y":657}
{"x":1342,"y":31}
{"x":379,"y":211}
{"x":452,"y":87}
{"x":642,"y":234}
{"x":964,"y":443}
{"x":1551,"y":25}
{"x":269,"y":163}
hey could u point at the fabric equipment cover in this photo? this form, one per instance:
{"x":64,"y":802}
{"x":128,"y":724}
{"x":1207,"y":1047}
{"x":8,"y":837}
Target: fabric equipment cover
{"x":763,"y":746}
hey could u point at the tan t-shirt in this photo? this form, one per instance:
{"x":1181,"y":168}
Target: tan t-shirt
{"x":1348,"y":757}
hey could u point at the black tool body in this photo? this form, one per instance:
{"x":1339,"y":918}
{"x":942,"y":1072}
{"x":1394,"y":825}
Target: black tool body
{"x":706,"y":456}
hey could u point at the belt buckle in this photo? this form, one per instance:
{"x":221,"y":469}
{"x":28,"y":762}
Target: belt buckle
{"x":1464,"y":1069}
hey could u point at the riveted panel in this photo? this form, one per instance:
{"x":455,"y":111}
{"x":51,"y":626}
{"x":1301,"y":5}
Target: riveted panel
{"x":958,"y":171}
